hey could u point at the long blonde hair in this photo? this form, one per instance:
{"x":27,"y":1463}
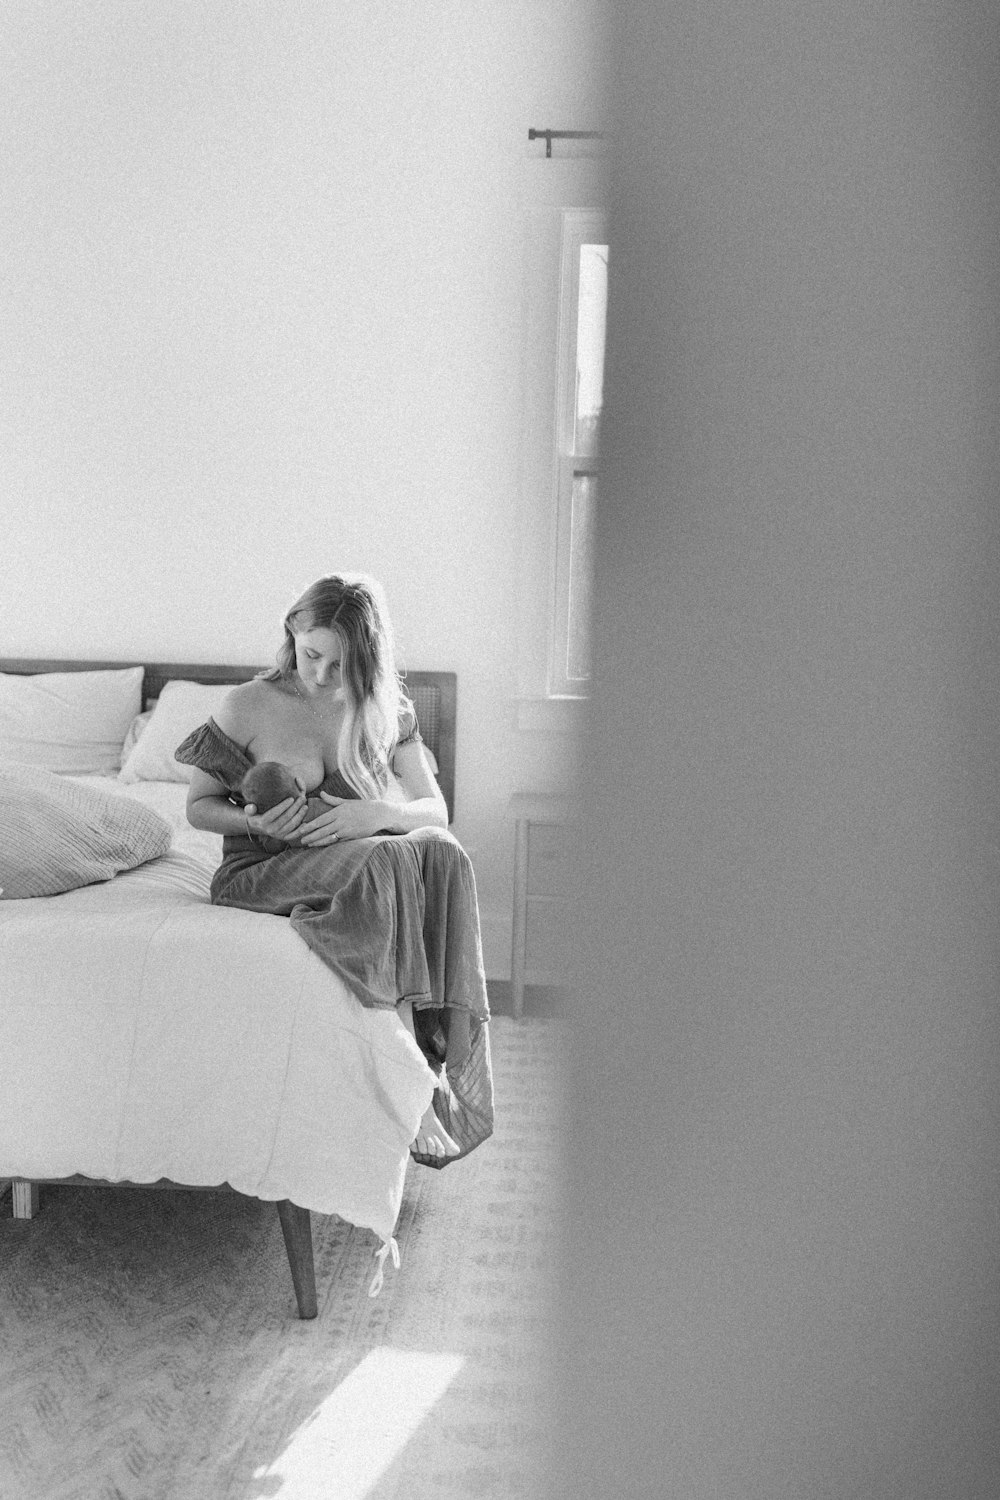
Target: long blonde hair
{"x":354,"y":608}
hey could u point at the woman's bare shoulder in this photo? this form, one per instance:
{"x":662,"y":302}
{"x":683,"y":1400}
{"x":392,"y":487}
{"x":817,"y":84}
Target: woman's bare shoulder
{"x":245,"y":706}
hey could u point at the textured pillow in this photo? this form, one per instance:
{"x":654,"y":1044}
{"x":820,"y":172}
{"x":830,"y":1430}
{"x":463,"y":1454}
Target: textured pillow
{"x":72,"y":722}
{"x":181,"y":707}
{"x":58,"y":834}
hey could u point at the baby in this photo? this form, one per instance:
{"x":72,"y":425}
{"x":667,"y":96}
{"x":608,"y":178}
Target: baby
{"x":267,"y":784}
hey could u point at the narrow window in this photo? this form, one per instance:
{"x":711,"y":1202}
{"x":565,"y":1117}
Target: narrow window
{"x":583,"y":300}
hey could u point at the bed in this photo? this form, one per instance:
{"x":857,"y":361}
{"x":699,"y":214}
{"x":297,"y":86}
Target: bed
{"x":148,"y":1038}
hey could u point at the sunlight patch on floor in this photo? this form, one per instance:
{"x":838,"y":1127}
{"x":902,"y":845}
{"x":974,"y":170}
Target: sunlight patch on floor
{"x":357,"y":1432}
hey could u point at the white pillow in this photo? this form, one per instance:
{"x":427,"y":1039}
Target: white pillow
{"x":136,"y":727}
{"x":72,"y":722}
{"x":58,"y":835}
{"x":181,"y":707}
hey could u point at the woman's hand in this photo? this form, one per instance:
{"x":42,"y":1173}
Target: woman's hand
{"x":347,"y":818}
{"x":282,"y":822}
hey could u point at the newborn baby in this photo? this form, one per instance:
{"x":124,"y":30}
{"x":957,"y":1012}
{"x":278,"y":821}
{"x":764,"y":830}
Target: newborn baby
{"x":267,"y":784}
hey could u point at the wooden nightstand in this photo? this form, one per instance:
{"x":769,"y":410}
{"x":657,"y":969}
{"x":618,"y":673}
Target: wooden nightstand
{"x":540,"y":947}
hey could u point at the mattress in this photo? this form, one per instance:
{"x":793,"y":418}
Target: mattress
{"x":146,"y":1034}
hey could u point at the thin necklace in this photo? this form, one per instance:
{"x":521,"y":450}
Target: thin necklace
{"x":307,"y":701}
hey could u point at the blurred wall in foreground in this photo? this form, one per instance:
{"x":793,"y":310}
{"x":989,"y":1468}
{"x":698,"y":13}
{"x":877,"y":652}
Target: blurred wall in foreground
{"x":781,"y":1247}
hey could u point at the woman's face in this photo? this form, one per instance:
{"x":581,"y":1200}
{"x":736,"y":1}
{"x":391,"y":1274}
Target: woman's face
{"x":318,"y":655}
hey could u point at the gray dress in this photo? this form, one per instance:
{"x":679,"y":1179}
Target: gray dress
{"x":395,"y":916}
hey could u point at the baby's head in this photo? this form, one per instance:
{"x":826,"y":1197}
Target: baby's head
{"x":267,"y":784}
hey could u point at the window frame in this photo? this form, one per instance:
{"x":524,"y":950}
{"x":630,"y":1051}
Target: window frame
{"x":557,"y":197}
{"x":579,"y":227}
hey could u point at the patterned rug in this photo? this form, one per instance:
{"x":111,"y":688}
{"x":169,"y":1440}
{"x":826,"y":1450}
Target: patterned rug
{"x":149,"y":1345}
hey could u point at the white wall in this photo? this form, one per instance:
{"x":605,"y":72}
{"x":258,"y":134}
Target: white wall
{"x":782,"y":1258}
{"x":261,"y":310}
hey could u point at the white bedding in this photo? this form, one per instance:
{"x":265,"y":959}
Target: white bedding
{"x":145,"y":1033}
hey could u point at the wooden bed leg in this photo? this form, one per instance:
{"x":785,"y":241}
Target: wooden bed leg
{"x":25,"y":1196}
{"x":296,"y":1226}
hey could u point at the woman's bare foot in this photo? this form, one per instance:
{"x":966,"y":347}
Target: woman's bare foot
{"x":432,"y":1138}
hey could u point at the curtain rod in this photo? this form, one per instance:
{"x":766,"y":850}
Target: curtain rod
{"x":548,"y":136}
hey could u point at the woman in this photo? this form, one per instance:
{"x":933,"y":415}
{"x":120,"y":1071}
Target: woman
{"x":374,"y":883}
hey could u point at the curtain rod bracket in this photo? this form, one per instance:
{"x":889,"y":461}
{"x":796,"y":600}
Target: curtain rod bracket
{"x":548,"y":136}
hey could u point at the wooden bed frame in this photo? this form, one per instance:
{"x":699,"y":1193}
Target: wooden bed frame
{"x":434,"y":698}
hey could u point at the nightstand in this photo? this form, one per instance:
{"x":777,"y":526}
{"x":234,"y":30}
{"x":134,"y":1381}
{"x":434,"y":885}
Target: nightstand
{"x":540,"y":947}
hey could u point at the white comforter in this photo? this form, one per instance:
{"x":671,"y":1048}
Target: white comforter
{"x":145,"y":1033}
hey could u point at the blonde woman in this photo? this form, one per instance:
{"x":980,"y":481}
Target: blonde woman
{"x":374,"y":883}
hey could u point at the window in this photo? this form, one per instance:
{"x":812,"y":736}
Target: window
{"x":583,"y":301}
{"x":566,"y":281}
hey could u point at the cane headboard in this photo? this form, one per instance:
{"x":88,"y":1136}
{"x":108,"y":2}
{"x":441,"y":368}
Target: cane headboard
{"x":433,"y":694}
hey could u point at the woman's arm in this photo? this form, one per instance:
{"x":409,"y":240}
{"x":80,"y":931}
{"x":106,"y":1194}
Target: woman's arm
{"x":425,"y":806}
{"x":353,"y":818}
{"x":209,"y":807}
